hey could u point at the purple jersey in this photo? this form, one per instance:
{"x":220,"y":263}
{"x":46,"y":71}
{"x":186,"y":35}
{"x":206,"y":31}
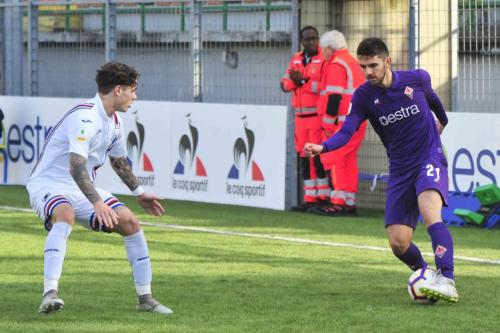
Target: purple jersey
{"x":401,"y":116}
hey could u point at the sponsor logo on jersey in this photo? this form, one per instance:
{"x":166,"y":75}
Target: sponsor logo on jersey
{"x":398,"y":115}
{"x":409,"y":92}
{"x":81,"y":138}
{"x":377,"y":101}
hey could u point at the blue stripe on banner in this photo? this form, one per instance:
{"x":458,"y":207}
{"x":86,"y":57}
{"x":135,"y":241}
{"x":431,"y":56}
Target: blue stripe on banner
{"x":76,"y":108}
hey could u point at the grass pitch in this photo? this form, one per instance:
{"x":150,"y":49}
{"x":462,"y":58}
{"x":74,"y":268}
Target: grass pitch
{"x":228,"y":283}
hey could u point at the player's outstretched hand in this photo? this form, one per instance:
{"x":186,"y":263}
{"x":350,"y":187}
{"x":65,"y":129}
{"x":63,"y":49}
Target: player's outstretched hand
{"x":311,"y":149}
{"x":105,"y":214}
{"x":151,"y":204}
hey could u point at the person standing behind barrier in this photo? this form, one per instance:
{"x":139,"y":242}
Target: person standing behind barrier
{"x":302,"y":79}
{"x":341,"y":76}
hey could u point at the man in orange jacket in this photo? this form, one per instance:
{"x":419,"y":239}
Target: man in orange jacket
{"x":302,"y":79}
{"x":341,"y":76}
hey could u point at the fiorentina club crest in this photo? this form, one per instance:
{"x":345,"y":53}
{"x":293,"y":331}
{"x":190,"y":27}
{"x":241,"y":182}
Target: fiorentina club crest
{"x":409,"y":92}
{"x":440,"y":251}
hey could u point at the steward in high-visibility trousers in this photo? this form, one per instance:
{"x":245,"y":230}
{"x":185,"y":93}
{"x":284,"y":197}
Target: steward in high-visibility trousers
{"x":302,"y":79}
{"x":341,"y":76}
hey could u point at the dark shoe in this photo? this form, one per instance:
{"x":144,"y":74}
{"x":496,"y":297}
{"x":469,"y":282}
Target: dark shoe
{"x":350,"y":210}
{"x":304,"y":208}
{"x":337,"y":210}
{"x":327,"y":211}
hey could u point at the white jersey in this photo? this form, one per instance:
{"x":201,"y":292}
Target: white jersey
{"x":85,"y":130}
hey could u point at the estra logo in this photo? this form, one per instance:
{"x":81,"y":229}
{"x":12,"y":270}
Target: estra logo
{"x":137,"y":157}
{"x":188,"y":145}
{"x":244,"y":166}
{"x":402,"y":113}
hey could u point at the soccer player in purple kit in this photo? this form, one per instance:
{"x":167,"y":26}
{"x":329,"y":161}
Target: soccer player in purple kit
{"x":398,"y":105}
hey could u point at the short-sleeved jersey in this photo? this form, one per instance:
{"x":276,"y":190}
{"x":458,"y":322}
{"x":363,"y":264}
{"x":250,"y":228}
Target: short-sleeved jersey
{"x":85,"y":130}
{"x":401,"y":117}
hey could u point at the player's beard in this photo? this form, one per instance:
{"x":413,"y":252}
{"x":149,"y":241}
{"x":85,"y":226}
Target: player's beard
{"x":380,"y":82}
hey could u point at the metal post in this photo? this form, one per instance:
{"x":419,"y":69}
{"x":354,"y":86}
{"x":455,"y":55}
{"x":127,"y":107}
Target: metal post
{"x":13,"y":48}
{"x":413,"y":35}
{"x":291,"y":185}
{"x":196,"y":48}
{"x":454,"y":54}
{"x":110,"y":31}
{"x":33,"y":48}
{"x":2,"y":51}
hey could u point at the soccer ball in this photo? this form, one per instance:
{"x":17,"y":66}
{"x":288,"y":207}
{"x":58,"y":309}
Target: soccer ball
{"x":415,"y":282}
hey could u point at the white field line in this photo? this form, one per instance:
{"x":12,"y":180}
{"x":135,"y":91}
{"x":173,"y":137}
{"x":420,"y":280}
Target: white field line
{"x":281,"y":238}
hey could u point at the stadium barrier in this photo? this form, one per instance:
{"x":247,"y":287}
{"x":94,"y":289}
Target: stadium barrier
{"x":224,"y":153}
{"x":218,"y":153}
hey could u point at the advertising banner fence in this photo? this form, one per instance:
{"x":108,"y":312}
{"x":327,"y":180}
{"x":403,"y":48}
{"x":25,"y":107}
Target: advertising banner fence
{"x":218,"y":153}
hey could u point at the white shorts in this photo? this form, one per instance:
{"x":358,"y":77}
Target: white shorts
{"x":44,"y":198}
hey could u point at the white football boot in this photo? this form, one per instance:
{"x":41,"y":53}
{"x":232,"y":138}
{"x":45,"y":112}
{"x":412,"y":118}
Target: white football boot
{"x":440,"y":287}
{"x":149,"y":304}
{"x":50,"y":302}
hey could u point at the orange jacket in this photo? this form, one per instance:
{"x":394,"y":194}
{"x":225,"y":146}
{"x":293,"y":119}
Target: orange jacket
{"x":304,"y":97}
{"x":341,"y":75}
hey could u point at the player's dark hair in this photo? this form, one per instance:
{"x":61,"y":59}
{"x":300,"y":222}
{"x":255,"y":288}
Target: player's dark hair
{"x":307,"y":27}
{"x":371,"y":47}
{"x":112,"y":74}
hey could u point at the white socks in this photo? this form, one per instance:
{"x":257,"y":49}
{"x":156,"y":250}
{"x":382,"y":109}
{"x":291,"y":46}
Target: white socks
{"x":138,"y":257}
{"x":54,"y":252}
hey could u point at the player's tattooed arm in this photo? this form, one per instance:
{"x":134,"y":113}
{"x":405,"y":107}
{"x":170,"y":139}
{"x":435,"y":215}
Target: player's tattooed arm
{"x":78,"y":170}
{"x":124,"y":171}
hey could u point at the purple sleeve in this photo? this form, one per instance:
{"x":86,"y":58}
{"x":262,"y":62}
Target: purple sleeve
{"x":432,"y":98}
{"x":354,"y":119}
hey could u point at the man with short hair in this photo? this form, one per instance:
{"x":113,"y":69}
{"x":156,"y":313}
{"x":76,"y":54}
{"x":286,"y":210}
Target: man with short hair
{"x":398,"y":104}
{"x":62,"y":191}
{"x":302,"y":80}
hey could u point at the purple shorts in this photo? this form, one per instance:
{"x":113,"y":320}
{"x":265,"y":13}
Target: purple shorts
{"x":401,"y":205}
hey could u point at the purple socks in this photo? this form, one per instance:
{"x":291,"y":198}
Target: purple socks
{"x":442,"y":244}
{"x":413,"y":258}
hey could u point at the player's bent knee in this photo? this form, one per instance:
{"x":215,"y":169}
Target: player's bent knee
{"x":128,"y":225}
{"x":399,"y":246}
{"x":63,"y":213}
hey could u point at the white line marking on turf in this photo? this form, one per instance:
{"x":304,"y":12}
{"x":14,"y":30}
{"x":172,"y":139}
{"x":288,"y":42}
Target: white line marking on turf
{"x":280,"y":238}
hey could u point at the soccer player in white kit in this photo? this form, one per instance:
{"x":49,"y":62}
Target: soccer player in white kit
{"x":62,"y":191}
